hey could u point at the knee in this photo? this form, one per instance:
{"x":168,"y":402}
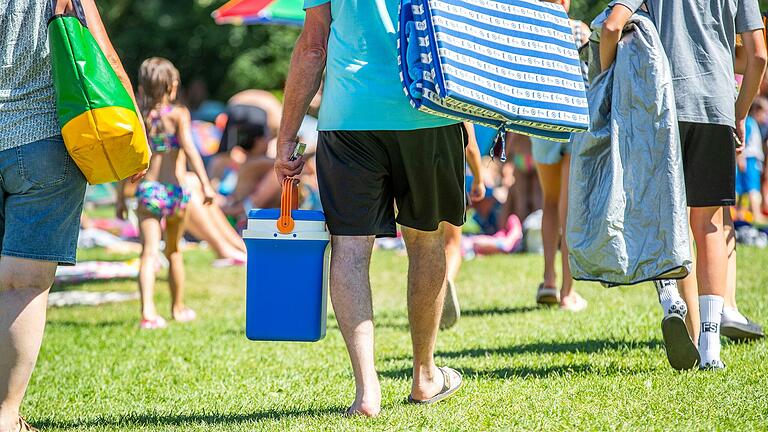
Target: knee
{"x":149,"y":255}
{"x":172,"y":253}
{"x":704,"y":222}
{"x":354,"y":250}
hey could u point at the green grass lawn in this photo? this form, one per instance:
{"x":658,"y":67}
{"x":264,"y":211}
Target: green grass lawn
{"x":525,"y":368}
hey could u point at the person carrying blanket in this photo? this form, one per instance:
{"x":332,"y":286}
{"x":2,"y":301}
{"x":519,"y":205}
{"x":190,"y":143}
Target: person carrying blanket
{"x":701,"y":44}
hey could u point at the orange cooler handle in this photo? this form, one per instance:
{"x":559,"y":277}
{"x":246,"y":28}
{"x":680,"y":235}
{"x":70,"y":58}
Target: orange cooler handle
{"x":289,"y":200}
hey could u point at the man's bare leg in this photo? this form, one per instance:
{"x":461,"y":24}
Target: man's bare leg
{"x":426,"y":291}
{"x":352,"y":304}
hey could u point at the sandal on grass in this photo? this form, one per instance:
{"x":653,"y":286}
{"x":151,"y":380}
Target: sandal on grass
{"x":26,"y":427}
{"x":449,"y":388}
{"x":186,"y":315}
{"x":576,"y":303}
{"x":547,"y":296}
{"x":228,"y":262}
{"x":153,"y":324}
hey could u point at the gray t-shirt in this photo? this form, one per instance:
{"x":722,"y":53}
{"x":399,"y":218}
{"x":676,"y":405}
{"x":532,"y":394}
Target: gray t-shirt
{"x":699,"y":37}
{"x":27,"y":96}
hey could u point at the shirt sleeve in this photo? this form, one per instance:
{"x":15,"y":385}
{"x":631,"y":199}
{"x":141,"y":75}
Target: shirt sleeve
{"x":748,"y":16}
{"x":632,"y":5}
{"x":314,"y":3}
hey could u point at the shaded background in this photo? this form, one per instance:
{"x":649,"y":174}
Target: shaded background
{"x":226,"y":58}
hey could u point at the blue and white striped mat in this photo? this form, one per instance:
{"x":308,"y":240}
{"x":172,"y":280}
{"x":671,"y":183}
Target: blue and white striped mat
{"x":498,"y":63}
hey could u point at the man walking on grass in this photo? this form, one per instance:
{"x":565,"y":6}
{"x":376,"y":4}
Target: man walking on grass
{"x":699,"y":38}
{"x":375,"y":150}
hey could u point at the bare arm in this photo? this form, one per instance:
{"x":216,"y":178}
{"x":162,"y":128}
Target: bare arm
{"x":184,"y":132}
{"x":472,"y":151}
{"x":474,"y":161}
{"x":96,"y":26}
{"x":740,"y":63}
{"x":306,"y":72}
{"x":611,"y":34}
{"x":754,"y":67}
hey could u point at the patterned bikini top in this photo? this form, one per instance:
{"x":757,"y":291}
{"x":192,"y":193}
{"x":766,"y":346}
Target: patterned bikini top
{"x":161,"y":142}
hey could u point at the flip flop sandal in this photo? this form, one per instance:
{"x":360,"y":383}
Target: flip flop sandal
{"x":228,"y":262}
{"x":26,"y":427}
{"x":448,"y":389}
{"x":576,"y":306}
{"x":153,"y":324}
{"x":185,"y":316}
{"x":547,"y":296}
{"x":681,"y":351}
{"x":740,"y":332}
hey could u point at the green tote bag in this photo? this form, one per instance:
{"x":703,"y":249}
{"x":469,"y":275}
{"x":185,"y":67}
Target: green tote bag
{"x":101,"y":128}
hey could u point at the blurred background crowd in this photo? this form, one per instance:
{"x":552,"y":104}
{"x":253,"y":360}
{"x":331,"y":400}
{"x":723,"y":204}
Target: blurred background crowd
{"x":231,"y":80}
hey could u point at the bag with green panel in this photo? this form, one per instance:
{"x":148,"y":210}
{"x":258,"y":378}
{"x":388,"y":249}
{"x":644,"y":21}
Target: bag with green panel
{"x":101,"y":128}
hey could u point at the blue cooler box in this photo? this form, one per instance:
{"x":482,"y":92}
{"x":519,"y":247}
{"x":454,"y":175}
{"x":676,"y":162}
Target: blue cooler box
{"x":287,"y":282}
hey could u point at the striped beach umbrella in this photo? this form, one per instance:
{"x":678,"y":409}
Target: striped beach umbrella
{"x":247,"y":12}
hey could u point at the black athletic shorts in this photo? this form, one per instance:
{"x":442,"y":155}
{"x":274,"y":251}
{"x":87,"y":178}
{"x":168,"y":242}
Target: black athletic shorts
{"x":363,"y":174}
{"x":709,"y":161}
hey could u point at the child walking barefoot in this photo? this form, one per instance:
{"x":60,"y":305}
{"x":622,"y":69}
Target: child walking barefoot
{"x":162,"y":195}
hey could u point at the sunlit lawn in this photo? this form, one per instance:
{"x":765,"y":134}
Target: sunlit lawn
{"x":525,"y":368}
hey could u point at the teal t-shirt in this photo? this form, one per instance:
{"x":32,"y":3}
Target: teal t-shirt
{"x":362,"y":88}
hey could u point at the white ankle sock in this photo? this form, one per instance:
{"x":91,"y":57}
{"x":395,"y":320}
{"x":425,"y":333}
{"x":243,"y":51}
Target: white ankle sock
{"x":711,"y":309}
{"x":733,"y":314}
{"x":669,"y":298}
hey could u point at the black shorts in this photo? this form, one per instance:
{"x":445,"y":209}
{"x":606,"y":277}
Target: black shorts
{"x":363,"y":174}
{"x":709,"y":161}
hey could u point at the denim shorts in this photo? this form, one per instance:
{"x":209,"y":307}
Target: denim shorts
{"x":548,"y":152}
{"x":41,"y":199}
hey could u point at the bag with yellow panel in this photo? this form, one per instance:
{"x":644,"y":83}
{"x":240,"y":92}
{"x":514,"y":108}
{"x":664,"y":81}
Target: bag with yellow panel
{"x":98,"y":119}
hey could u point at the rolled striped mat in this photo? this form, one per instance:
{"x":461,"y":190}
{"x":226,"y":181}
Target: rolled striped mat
{"x":509,"y":64}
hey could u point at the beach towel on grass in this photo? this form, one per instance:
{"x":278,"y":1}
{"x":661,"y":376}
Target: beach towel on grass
{"x":511,"y":63}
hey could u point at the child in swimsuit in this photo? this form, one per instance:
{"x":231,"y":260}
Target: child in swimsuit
{"x":161,"y":195}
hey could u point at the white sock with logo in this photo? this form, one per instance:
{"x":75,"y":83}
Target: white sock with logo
{"x":669,"y":298}
{"x":711,"y":309}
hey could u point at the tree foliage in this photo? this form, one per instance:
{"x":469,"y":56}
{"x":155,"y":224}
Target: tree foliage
{"x":227,"y":58}
{"x":586,"y":10}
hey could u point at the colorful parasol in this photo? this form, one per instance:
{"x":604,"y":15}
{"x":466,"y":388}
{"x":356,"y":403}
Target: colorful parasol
{"x":287,"y":12}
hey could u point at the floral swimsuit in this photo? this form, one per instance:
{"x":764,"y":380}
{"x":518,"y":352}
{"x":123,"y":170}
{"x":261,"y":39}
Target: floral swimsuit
{"x":162,"y":199}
